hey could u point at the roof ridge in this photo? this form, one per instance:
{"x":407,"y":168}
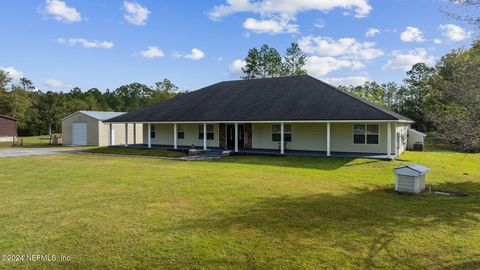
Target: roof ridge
{"x":266,"y":78}
{"x":366,"y":102}
{"x":102,"y":111}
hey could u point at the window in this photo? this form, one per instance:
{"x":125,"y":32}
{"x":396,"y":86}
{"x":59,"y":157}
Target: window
{"x":152,"y":132}
{"x":180,"y":132}
{"x":210,"y":132}
{"x":365,"y":134}
{"x":276,"y":133}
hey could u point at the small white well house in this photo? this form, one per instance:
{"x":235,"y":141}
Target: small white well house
{"x":410,"y":178}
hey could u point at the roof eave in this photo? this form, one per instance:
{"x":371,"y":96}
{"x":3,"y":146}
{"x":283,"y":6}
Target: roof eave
{"x":263,"y":121}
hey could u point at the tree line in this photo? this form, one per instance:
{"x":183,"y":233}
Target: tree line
{"x":39,"y":113}
{"x":443,"y":99}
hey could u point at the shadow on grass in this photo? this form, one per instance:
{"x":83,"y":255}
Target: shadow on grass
{"x":372,"y":219}
{"x":134,"y":151}
{"x":471,"y":188}
{"x":319,"y":163}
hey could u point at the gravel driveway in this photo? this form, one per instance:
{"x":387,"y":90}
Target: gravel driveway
{"x":21,"y":152}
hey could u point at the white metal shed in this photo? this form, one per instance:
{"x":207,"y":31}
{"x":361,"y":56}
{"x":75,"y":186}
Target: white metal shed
{"x":410,"y":178}
{"x":414,"y":137}
{"x":88,"y":128}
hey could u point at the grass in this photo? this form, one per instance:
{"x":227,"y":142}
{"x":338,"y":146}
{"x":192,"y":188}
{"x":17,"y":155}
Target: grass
{"x":134,"y":151}
{"x":32,"y":142}
{"x":238,"y":213}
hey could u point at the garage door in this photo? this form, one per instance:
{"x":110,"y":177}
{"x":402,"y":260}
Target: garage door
{"x":79,"y":134}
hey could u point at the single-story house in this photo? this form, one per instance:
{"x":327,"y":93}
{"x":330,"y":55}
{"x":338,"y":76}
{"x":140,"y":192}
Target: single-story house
{"x":8,"y":128}
{"x":285,"y":115}
{"x":88,"y":128}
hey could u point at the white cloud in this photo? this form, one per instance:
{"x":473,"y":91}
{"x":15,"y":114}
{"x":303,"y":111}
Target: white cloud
{"x":346,"y":81}
{"x":135,"y":13}
{"x":288,"y":8}
{"x":270,"y":26}
{"x":371,"y":32}
{"x":454,"y":32}
{"x":412,"y":34}
{"x":319,"y":66}
{"x":195,"y":54}
{"x":56,"y":83}
{"x":278,"y":14}
{"x":152,"y":52}
{"x":405,"y":60}
{"x":437,"y":41}
{"x":13,"y":73}
{"x":89,"y":44}
{"x":345,"y":47}
{"x":61,"y":12}
{"x":235,"y":68}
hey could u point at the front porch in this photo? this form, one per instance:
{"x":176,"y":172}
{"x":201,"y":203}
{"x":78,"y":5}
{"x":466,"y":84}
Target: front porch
{"x":267,"y":152}
{"x":353,"y":139}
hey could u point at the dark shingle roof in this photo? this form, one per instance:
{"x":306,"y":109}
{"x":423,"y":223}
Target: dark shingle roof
{"x":273,"y":99}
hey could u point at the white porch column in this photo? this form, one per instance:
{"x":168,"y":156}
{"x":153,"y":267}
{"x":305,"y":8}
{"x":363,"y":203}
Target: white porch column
{"x":328,"y":139}
{"x":175,"y":136}
{"x":236,"y":137}
{"x":204,"y":136}
{"x":282,"y":139}
{"x":134,"y":133}
{"x":389,"y":140}
{"x":126,"y":134}
{"x":395,"y":144}
{"x":149,"y":135}
{"x":110,"y":137}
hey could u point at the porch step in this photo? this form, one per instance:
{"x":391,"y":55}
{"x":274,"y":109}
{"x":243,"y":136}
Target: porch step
{"x":213,"y":154}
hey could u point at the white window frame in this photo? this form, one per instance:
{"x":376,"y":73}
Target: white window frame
{"x":180,"y":129}
{"x":365,"y":134}
{"x":200,"y":131}
{"x":284,"y":132}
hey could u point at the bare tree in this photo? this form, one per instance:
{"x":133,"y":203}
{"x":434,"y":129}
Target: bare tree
{"x":465,"y":10}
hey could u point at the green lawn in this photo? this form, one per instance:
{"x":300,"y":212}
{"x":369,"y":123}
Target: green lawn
{"x":238,"y":213}
{"x":133,"y":151}
{"x":33,"y":142}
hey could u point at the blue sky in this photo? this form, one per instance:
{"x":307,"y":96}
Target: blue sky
{"x":104,"y":44}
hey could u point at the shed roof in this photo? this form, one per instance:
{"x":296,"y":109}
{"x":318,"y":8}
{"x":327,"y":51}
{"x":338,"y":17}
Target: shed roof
{"x":417,"y":132}
{"x":7,"y":117}
{"x":295,"y":98}
{"x":102,"y":115}
{"x":99,"y":115}
{"x":413,"y":168}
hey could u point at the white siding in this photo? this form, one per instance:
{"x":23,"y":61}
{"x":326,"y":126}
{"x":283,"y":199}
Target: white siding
{"x":92,"y":128}
{"x":405,"y":183}
{"x":313,"y":137}
{"x":402,"y":129}
{"x":164,"y":135}
{"x":104,"y":137}
{"x":98,"y":132}
{"x":305,"y":136}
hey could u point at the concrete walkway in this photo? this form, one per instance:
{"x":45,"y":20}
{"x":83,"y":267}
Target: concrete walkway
{"x":22,"y":152}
